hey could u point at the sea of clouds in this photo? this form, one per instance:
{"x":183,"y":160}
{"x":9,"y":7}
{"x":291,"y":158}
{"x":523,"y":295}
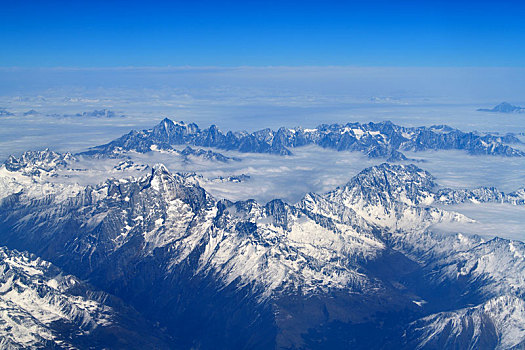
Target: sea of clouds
{"x":249,"y":98}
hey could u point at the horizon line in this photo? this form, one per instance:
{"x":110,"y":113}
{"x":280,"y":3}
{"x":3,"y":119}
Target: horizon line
{"x":240,"y":67}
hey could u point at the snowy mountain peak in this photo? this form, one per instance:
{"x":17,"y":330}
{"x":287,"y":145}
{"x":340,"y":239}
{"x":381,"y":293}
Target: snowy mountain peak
{"x":390,"y":176}
{"x":386,"y":183}
{"x":160,"y":169}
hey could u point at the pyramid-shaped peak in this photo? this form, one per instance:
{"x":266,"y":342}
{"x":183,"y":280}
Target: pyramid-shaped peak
{"x":385,"y":173}
{"x":159,"y":169}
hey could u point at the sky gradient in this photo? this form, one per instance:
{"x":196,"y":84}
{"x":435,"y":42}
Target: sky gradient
{"x":261,"y":33}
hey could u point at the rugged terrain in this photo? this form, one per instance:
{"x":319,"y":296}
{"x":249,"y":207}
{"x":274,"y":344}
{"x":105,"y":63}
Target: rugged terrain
{"x":356,"y":267}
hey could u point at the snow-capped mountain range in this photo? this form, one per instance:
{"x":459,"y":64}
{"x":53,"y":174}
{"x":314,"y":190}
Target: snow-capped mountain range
{"x":376,"y":140}
{"x":153,"y":259}
{"x":358,"y":266}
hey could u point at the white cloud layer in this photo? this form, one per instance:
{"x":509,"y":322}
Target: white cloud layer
{"x":491,"y":219}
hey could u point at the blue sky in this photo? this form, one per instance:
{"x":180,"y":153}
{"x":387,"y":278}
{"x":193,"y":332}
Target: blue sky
{"x":261,"y":33}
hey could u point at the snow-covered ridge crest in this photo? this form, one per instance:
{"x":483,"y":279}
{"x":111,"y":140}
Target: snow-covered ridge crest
{"x":498,"y":262}
{"x":479,"y":195}
{"x":278,"y":246}
{"x":474,"y":327}
{"x":34,"y":296}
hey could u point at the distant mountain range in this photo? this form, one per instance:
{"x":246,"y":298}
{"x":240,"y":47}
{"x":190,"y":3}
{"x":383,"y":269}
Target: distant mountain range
{"x":102,"y":113}
{"x":376,"y":140}
{"x":357,"y":267}
{"x":504,"y":107}
{"x":31,"y":112}
{"x":5,"y":113}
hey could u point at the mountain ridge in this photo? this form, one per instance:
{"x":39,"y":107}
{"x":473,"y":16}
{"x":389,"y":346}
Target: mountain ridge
{"x":376,"y":140}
